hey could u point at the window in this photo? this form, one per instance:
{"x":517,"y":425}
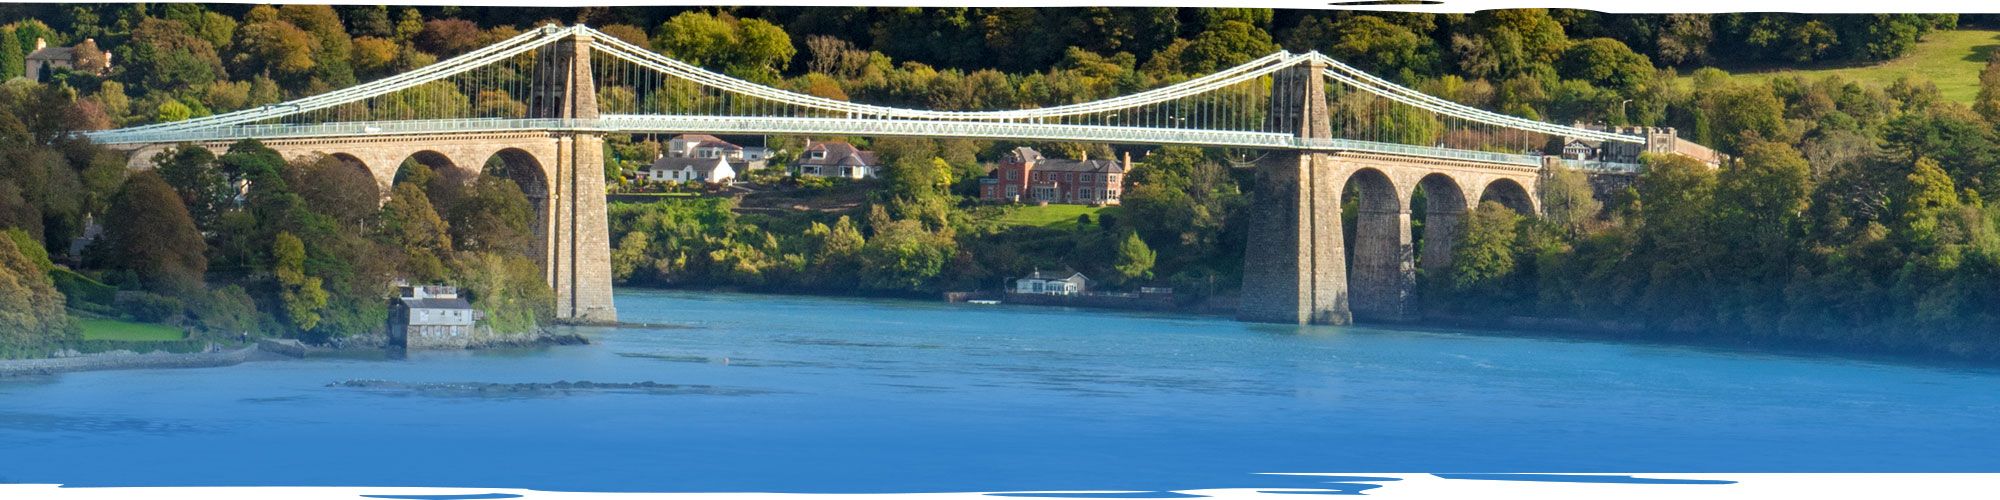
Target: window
{"x":819,"y":155}
{"x":1013,"y":175}
{"x":1013,"y":191}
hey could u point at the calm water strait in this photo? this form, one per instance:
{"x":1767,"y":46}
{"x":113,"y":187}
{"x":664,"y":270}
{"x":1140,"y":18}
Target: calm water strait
{"x":796,"y":394}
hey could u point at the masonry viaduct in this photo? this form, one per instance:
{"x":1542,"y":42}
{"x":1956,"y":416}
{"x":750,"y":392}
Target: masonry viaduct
{"x":1295,"y":267}
{"x":561,"y":172}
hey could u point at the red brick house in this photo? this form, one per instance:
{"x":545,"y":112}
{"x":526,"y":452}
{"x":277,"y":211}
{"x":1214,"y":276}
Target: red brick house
{"x":1025,"y":176}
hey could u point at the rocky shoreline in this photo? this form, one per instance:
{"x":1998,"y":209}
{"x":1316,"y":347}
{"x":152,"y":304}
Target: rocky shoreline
{"x":128,"y":360}
{"x":262,"y":350}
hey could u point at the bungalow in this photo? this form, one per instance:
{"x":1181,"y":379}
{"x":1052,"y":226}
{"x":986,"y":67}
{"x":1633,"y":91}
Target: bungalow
{"x":1050,"y":283}
{"x":681,"y":169}
{"x":837,"y":159}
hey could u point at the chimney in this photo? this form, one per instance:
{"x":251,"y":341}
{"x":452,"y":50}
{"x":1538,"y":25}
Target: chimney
{"x":1128,"y":161}
{"x":1086,"y":156}
{"x":41,"y":43}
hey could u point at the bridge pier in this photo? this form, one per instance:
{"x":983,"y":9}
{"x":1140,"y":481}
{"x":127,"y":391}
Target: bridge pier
{"x":1384,"y":268}
{"x":1294,"y":269}
{"x":580,"y":267}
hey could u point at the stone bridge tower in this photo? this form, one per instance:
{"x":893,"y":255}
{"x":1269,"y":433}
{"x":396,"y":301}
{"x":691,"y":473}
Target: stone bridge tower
{"x":575,"y":240}
{"x":1294,"y":269}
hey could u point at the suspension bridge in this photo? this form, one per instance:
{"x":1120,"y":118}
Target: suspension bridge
{"x":542,"y":102}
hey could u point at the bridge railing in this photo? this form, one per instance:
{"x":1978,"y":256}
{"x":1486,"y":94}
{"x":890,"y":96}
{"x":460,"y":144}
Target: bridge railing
{"x":836,"y":126}
{"x":1414,"y":150}
{"x":364,"y":128}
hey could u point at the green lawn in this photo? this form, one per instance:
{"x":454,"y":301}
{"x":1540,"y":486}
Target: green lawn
{"x":1951,"y":59}
{"x":111,"y":329}
{"x":1050,"y":216}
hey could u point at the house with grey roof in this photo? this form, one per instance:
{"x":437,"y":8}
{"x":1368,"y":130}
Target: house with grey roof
{"x":85,"y":56}
{"x":432,"y":316}
{"x":837,"y":159}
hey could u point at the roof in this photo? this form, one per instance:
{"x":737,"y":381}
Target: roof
{"x":53,"y":53}
{"x":718,"y":144}
{"x":1064,"y":165}
{"x":437,"y":304}
{"x":1030,"y":155}
{"x":838,"y":154}
{"x":1024,"y":154}
{"x":698,"y":138}
{"x":1054,"y":276}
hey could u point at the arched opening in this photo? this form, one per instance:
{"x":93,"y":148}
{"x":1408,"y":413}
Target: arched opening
{"x":1510,"y":194}
{"x":1378,"y":246}
{"x":337,"y":184}
{"x":1438,"y":206}
{"x":433,"y":163}
{"x":527,"y":173}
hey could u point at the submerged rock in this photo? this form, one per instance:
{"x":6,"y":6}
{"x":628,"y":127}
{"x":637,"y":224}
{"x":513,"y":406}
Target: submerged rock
{"x":562,"y":387}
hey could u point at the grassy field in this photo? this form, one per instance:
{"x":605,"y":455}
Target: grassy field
{"x":108,"y":329}
{"x":1951,"y":59}
{"x":1050,"y":216}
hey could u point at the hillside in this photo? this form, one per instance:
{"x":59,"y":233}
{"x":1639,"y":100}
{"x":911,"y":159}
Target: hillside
{"x":1951,"y":59}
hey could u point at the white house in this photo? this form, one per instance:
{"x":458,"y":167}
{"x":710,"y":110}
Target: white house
{"x":1049,"y":283}
{"x":708,"y":146}
{"x":707,"y":170}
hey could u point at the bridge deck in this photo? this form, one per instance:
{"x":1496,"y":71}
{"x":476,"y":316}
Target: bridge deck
{"x":826,"y":126}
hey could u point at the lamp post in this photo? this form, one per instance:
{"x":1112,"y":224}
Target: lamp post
{"x":1621,"y":112}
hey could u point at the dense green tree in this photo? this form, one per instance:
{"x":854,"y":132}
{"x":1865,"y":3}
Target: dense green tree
{"x":1568,"y":201}
{"x":167,"y":56}
{"x":1135,"y":259}
{"x":202,"y":187}
{"x":1483,"y":254}
{"x":412,"y":224}
{"x":748,"y":48}
{"x":31,"y":310}
{"x":303,"y":296}
{"x":12,"y":56}
{"x":155,"y":239}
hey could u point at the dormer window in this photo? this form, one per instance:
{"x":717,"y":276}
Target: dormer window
{"x":819,"y":155}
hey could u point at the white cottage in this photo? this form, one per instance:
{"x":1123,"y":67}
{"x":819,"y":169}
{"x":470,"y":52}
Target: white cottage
{"x":1049,"y":283}
{"x":683,"y":169}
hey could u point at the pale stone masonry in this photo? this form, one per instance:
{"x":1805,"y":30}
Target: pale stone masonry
{"x":561,"y":172}
{"x":1295,"y":266}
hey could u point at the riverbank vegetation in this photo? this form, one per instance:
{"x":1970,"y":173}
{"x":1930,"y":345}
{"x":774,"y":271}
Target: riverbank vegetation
{"x":1854,"y":215}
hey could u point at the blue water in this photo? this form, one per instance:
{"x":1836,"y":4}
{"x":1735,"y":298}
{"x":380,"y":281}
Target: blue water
{"x":792,"y":394}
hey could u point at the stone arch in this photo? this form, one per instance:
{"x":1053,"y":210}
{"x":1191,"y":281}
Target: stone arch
{"x":1509,"y":193}
{"x":528,"y":172}
{"x":355,"y":162}
{"x":1444,"y":208}
{"x":439,"y":163}
{"x":1380,"y":272}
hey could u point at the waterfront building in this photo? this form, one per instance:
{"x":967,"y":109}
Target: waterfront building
{"x":431,"y":316}
{"x":1051,"y":283}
